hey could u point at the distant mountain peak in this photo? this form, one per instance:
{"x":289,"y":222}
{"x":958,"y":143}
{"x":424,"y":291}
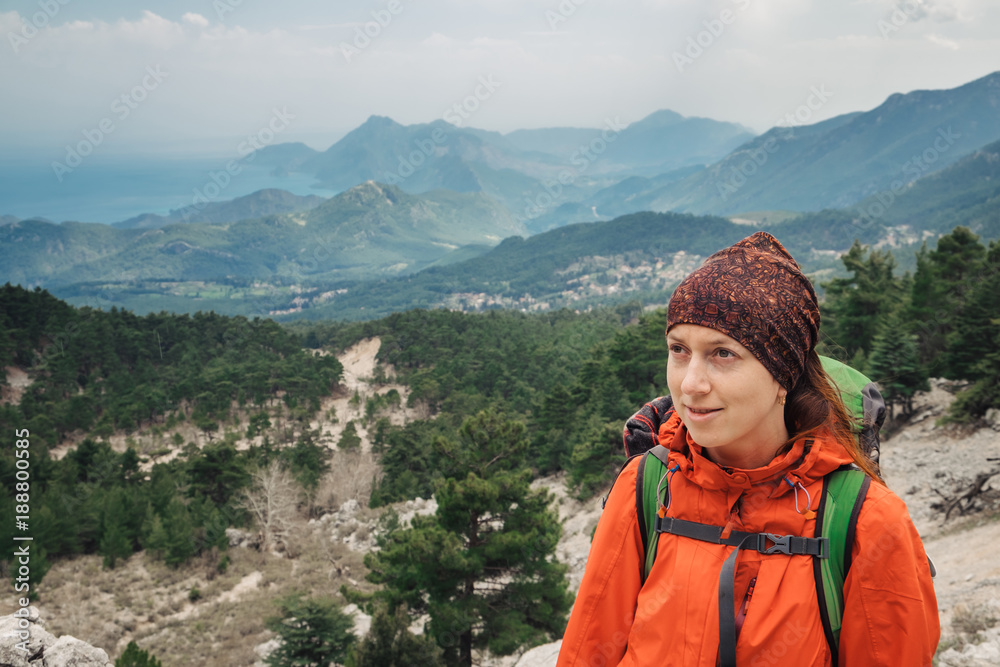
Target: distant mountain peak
{"x":661,"y":118}
{"x":370,"y":193}
{"x":991,"y":79}
{"x":378,"y":122}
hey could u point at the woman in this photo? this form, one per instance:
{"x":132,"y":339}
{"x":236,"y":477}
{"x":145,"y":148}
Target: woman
{"x":756,"y":427}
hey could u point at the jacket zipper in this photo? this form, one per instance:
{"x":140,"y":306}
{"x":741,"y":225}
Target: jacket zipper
{"x":742,"y":615}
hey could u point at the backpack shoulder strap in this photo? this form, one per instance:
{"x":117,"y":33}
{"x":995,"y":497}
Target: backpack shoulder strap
{"x":647,"y":481}
{"x":652,"y":468}
{"x":844,"y":492}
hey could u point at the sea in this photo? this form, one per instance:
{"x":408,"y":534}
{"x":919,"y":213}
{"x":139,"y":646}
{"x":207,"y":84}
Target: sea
{"x":111,"y":189}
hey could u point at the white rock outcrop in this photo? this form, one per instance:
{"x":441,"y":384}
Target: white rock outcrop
{"x":24,"y":642}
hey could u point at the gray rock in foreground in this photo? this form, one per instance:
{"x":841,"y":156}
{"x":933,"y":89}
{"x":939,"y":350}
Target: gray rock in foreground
{"x":43,"y":649}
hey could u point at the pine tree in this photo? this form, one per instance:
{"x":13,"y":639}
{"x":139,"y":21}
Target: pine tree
{"x":216,"y":473}
{"x":313,"y":631}
{"x":259,"y":423}
{"x":155,"y":536}
{"x":895,"y":364}
{"x":985,"y":393}
{"x":595,"y":456}
{"x":971,"y":339}
{"x":482,"y":567}
{"x":116,"y":541}
{"x":349,"y":439}
{"x":308,"y":461}
{"x":133,"y":656}
{"x":180,"y":534}
{"x":637,"y":356}
{"x":114,"y":545}
{"x":945,"y":280}
{"x":853,"y":307}
{"x":550,"y":446}
{"x":389,"y":643}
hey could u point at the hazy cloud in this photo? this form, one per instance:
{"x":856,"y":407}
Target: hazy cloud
{"x":561,"y":63}
{"x":195,"y":19}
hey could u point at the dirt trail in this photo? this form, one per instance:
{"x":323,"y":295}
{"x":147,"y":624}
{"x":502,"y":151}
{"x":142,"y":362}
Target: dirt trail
{"x":360,"y":363}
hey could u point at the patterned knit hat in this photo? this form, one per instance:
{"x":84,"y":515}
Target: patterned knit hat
{"x":755,"y":293}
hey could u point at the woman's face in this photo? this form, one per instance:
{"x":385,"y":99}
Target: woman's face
{"x":726,"y":398}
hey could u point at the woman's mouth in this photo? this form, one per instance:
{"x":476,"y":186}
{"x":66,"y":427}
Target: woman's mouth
{"x":701,"y":414}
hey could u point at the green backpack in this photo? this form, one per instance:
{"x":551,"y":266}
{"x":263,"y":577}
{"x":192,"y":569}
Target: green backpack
{"x":844,"y":492}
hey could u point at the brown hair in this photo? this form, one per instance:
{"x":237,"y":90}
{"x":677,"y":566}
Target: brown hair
{"x":814,"y":403}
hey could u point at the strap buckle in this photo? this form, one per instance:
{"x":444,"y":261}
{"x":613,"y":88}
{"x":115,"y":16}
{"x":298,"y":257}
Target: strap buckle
{"x":781,"y":543}
{"x":824,"y":547}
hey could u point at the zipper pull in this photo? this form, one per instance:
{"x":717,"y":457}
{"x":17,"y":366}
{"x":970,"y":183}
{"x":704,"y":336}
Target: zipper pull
{"x":741,"y":616}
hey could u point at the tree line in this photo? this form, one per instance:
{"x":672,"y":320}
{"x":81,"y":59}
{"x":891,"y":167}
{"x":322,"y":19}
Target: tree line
{"x":940,"y":321}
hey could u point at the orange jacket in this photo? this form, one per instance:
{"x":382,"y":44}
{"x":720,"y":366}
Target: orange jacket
{"x":890,"y":610}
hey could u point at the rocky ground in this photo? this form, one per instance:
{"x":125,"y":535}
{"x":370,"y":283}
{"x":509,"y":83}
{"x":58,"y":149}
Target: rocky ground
{"x":145,"y":601}
{"x":922,"y":461}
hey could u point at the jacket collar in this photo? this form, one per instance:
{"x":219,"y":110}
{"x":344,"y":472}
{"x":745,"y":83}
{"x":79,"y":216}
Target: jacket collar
{"x":808,"y":460}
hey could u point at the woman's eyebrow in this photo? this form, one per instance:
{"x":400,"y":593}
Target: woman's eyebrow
{"x":719,"y":341}
{"x":712,"y":341}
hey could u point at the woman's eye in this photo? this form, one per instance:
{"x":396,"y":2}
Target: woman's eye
{"x":726,"y":354}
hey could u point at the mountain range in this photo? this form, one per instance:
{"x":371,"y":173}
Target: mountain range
{"x":423,"y":208}
{"x":635,"y":256}
{"x":366,"y":231}
{"x":667,"y":162}
{"x":269,"y":201}
{"x":515,"y":169}
{"x":833,"y":163}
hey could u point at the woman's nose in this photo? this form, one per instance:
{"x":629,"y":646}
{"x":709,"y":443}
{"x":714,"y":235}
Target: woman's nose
{"x":695,"y":378}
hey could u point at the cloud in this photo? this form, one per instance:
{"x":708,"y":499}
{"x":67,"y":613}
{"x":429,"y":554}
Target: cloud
{"x":938,"y":11}
{"x":942,"y":41}
{"x":10,"y":21}
{"x":604,"y":60}
{"x":331,"y":26}
{"x":437,"y":40}
{"x":195,"y":19}
{"x":152,"y":29}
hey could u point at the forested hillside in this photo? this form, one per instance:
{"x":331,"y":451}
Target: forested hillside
{"x":371,"y":230}
{"x":94,"y":373}
{"x":555,"y":387}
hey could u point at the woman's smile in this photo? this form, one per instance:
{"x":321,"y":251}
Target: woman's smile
{"x":729,"y":402}
{"x":701,"y":414}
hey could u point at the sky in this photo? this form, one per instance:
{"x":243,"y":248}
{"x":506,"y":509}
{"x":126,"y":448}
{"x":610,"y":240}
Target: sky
{"x":190,"y":76}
